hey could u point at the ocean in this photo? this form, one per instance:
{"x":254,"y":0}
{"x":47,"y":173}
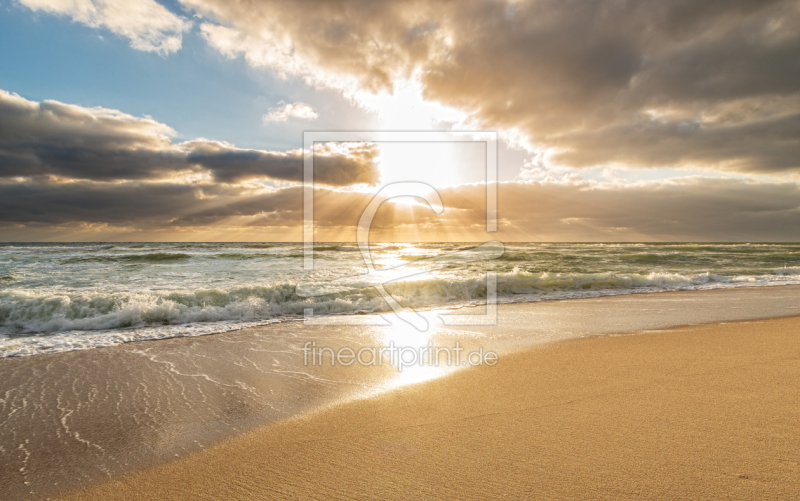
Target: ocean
{"x":58,"y":297}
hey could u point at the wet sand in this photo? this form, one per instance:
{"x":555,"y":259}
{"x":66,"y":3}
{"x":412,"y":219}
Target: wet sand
{"x":704,"y":412}
{"x":73,"y":419}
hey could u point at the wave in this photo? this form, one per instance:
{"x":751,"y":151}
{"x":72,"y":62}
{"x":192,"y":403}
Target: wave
{"x":729,"y":248}
{"x":339,"y":248}
{"x":39,"y":321}
{"x":657,"y":257}
{"x":508,"y":256}
{"x":23,"y":312}
{"x":156,"y":257}
{"x":416,"y":257}
{"x":258,"y":246}
{"x":391,"y":247}
{"x":240,"y":256}
{"x":29,"y":312}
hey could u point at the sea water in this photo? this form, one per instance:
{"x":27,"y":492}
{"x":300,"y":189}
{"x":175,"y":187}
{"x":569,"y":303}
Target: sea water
{"x":61,"y":297}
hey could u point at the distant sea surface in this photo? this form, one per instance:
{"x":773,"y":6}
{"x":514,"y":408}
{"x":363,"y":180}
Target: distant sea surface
{"x":62,"y":297}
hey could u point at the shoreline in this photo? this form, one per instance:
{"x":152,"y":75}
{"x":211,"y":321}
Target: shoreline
{"x":76,"y":418}
{"x":258,"y":324}
{"x":699,"y":412}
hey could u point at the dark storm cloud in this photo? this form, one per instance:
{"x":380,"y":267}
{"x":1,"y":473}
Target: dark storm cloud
{"x":52,"y":138}
{"x":689,"y":209}
{"x":334,"y":165}
{"x":131,"y":203}
{"x":567,"y":74}
{"x":763,"y":146}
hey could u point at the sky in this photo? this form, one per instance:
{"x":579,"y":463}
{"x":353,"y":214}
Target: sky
{"x":183,"y":120}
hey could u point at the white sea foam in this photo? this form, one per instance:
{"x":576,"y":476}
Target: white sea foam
{"x":33,"y":322}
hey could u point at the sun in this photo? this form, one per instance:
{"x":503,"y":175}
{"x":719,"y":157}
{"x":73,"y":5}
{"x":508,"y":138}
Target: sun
{"x":438,"y":164}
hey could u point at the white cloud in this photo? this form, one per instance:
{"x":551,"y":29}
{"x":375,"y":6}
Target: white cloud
{"x":148,"y":25}
{"x":265,"y":51}
{"x":298,"y":110}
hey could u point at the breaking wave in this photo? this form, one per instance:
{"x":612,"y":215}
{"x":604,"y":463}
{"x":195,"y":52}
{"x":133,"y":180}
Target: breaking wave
{"x":35,"y":322}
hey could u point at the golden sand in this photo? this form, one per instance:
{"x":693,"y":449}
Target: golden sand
{"x":704,"y":412}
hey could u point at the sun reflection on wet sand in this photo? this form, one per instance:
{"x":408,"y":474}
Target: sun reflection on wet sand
{"x":419,"y":363}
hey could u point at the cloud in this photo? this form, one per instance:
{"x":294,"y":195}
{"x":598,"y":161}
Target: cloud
{"x":74,"y":142}
{"x":53,"y":138}
{"x":763,"y":146}
{"x":148,"y":25}
{"x":690,"y":209}
{"x":298,"y":110}
{"x":260,"y":52}
{"x":648,"y":83}
{"x":339,"y":164}
{"x":131,"y":203}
